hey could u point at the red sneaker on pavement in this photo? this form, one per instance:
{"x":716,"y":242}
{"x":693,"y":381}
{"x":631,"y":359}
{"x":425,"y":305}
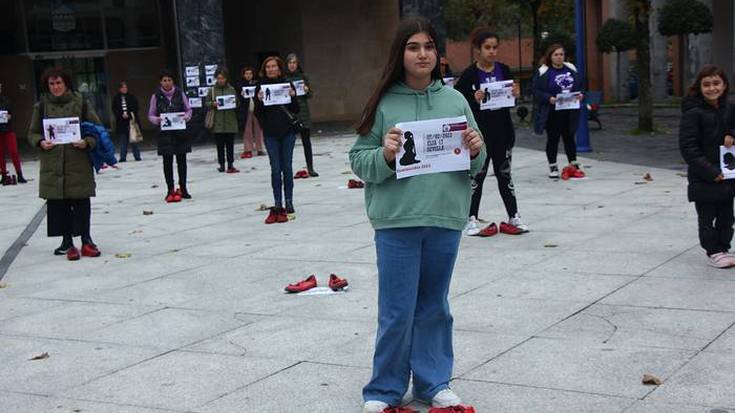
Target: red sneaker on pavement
{"x":488,"y":231}
{"x":246,"y":155}
{"x":282,"y":216}
{"x":355,"y":184}
{"x":272,"y":216}
{"x":578,"y":173}
{"x":90,"y":250}
{"x":336,"y":283}
{"x":303,"y":285}
{"x":302,"y":174}
{"x":510,"y":229}
{"x":171,"y":197}
{"x":462,"y":408}
{"x":567,"y":172}
{"x":232,"y":170}
{"x":177,"y":195}
{"x":73,"y":254}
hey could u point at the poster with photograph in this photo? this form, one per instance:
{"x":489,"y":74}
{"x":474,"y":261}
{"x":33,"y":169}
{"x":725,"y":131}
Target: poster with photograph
{"x":210,"y":80}
{"x":173,"y":121}
{"x":192,"y":71}
{"x":431,"y":146}
{"x":449,"y":81}
{"x":498,"y":95}
{"x":226,"y":102}
{"x":299,"y":86}
{"x":276,"y":94}
{"x":248,"y":92}
{"x":567,"y":101}
{"x":727,"y":162}
{"x":192,"y":81}
{"x":203,"y":91}
{"x":210,"y":69}
{"x":4,"y":116}
{"x":62,"y":131}
{"x":195,"y":102}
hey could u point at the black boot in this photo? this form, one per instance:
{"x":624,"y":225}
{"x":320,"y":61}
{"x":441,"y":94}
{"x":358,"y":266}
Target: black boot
{"x":21,"y":180}
{"x":289,"y":207}
{"x":66,"y":244}
{"x":185,"y":192}
{"x":310,"y":168}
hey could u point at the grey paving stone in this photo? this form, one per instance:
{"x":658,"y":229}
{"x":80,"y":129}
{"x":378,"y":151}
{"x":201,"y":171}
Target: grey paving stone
{"x":567,"y":365}
{"x":725,"y":343}
{"x":179,"y":380}
{"x":612,"y":263}
{"x":648,"y":406}
{"x":11,"y":307}
{"x":23,"y":403}
{"x":685,"y":293}
{"x":706,"y":380}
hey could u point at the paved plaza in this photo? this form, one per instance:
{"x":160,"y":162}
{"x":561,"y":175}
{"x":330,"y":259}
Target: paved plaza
{"x":185,"y":310}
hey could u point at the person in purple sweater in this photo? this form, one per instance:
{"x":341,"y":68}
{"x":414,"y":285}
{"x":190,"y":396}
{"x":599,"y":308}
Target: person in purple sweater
{"x":170,"y":99}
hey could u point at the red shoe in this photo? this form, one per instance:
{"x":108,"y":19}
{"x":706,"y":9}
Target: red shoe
{"x":303,"y":285}
{"x":302,"y":174}
{"x":177,"y":195}
{"x":578,"y":173}
{"x":246,"y":155}
{"x":272,"y":216}
{"x":282,"y":216}
{"x":90,"y":250}
{"x":510,"y":229}
{"x":171,"y":197}
{"x":567,"y":172}
{"x":233,"y":170}
{"x":462,"y":408}
{"x":354,"y":183}
{"x":336,"y":283}
{"x":73,"y":254}
{"x":489,"y":231}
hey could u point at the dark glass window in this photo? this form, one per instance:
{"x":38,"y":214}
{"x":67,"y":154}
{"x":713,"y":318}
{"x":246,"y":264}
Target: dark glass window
{"x":63,"y":25}
{"x":132,"y":23}
{"x":11,"y":28}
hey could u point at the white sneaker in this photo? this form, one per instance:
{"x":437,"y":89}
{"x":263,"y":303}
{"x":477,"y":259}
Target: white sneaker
{"x":721,"y":260}
{"x":518,"y":223}
{"x":473,"y":226}
{"x":553,"y":171}
{"x":374,"y":406}
{"x":445,"y":398}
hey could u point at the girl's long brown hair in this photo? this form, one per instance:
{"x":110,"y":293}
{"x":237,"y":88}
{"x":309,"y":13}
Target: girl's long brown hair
{"x":394,"y":70}
{"x":550,"y":51}
{"x":707,"y":71}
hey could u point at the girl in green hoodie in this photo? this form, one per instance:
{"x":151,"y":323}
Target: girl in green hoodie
{"x":418,"y":223}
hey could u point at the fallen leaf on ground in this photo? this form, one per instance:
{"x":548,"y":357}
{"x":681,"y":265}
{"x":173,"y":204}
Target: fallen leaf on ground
{"x":641,"y":183}
{"x":346,"y":172}
{"x":154,"y":186}
{"x":3,"y":285}
{"x":651,"y":380}
{"x":550,"y":245}
{"x":147,"y":212}
{"x":123,"y":255}
{"x":39,"y":356}
{"x":648,"y":177}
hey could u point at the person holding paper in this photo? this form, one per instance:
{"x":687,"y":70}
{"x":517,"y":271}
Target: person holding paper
{"x":296,"y":73}
{"x":168,"y":98}
{"x":418,"y":223}
{"x":125,"y":108}
{"x":252,"y":137}
{"x":225,"y":120}
{"x":66,"y":178}
{"x":279,"y":139}
{"x":708,"y":122}
{"x":557,"y":76}
{"x":497,"y":129}
{"x":8,"y":142}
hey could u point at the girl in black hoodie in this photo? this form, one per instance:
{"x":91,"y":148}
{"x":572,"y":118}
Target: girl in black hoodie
{"x":708,"y":122}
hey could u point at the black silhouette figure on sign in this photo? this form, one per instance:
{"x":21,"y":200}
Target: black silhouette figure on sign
{"x":51,"y":133}
{"x":409,"y":158}
{"x":487,"y":96}
{"x":729,"y":160}
{"x":267,"y":93}
{"x":167,"y":122}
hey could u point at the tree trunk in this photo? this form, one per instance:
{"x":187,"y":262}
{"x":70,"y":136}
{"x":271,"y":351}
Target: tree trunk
{"x":643,"y":69}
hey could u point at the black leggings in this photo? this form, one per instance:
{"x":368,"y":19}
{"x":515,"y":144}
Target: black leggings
{"x":501,"y":155}
{"x":225,"y":141}
{"x":168,"y":170}
{"x":715,"y":225}
{"x":559,"y":126}
{"x":308,"y":154}
{"x":68,"y":218}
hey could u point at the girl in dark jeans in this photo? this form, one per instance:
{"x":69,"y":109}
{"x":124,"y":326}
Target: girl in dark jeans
{"x":708,"y":122}
{"x":125,"y":107}
{"x":279,"y":138}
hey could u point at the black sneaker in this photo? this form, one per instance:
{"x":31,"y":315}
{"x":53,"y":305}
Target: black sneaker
{"x":289,"y":208}
{"x":553,"y":171}
{"x":185,"y":193}
{"x":63,"y":249}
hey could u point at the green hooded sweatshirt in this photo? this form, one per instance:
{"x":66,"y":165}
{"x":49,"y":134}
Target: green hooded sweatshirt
{"x":433,"y":200}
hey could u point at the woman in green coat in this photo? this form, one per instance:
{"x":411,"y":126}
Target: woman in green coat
{"x":225,"y":120}
{"x":294,"y":75}
{"x":66,"y":179}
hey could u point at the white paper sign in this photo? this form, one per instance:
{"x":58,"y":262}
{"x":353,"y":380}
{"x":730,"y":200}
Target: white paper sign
{"x":210,"y":69}
{"x":449,"y":81}
{"x":173,"y":121}
{"x":195,"y":102}
{"x":62,"y":130}
{"x":727,"y":162}
{"x":192,"y":71}
{"x":432,"y":146}
{"x":248,"y":92}
{"x":210,"y":80}
{"x":299,"y":85}
{"x":226,"y":102}
{"x":192,"y":81}
{"x":567,"y":101}
{"x":498,"y":95}
{"x":203,"y":91}
{"x":276,"y":94}
{"x":4,"y":116}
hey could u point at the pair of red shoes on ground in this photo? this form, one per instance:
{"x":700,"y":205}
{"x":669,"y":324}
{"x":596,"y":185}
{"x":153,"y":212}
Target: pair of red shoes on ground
{"x":572,"y":171}
{"x":335,"y":284}
{"x":174,"y":196}
{"x":505,"y":228}
{"x":453,"y":409}
{"x":277,"y":215}
{"x":88,"y":250}
{"x":302,"y":174}
{"x":354,"y":183}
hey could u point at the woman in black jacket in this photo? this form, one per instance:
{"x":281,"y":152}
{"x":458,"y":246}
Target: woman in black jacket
{"x":125,"y":107}
{"x":276,"y":121}
{"x":497,"y":129}
{"x":708,"y":122}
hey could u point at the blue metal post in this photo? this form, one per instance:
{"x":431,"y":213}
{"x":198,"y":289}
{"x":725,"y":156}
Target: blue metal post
{"x":583,"y":132}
